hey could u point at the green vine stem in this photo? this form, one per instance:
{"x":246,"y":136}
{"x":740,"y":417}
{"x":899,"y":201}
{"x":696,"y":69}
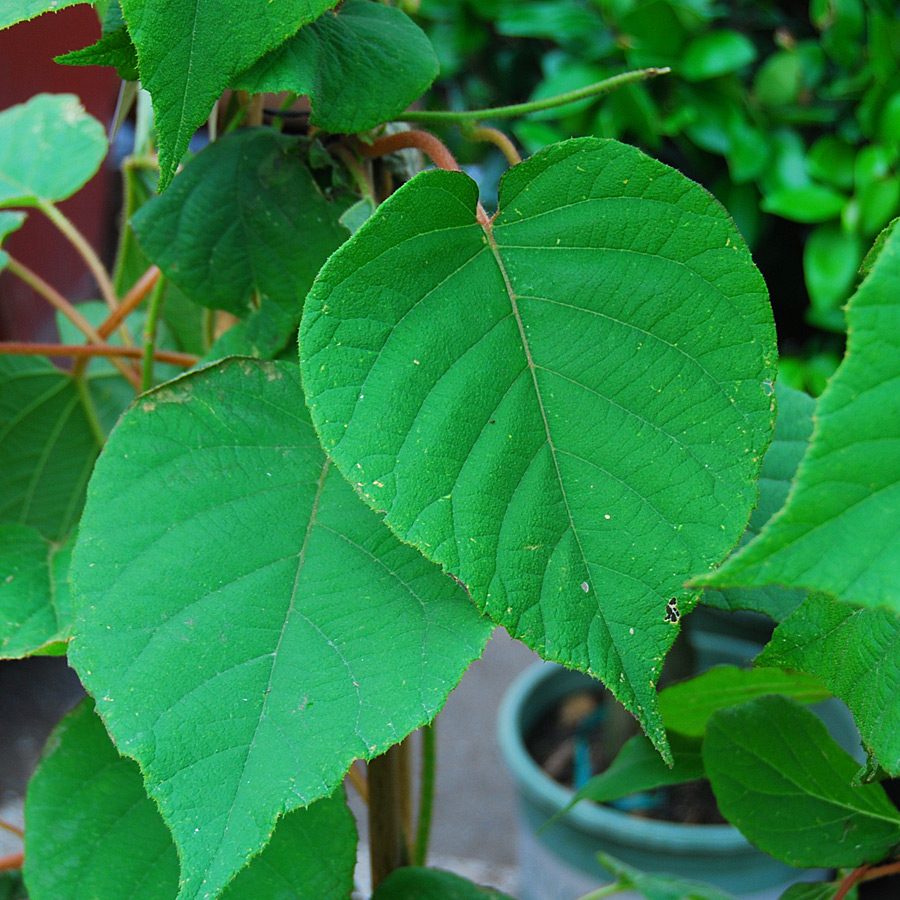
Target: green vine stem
{"x":606,"y":891}
{"x":150,"y":324}
{"x":523,"y":109}
{"x":426,"y":795}
{"x":77,"y":240}
{"x":90,"y":409}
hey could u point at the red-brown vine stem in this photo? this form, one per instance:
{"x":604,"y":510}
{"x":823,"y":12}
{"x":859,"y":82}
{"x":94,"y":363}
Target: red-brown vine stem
{"x":11,"y":862}
{"x":186,"y":360}
{"x":431,"y":146}
{"x":130,"y":301}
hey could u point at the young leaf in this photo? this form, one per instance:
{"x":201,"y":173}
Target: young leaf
{"x":411,"y":883}
{"x":793,"y":427}
{"x":780,"y":778}
{"x":566,"y":409}
{"x":189,"y":50}
{"x":94,"y":832}
{"x":35,"y":137}
{"x":856,"y":652}
{"x":35,"y":604}
{"x":639,"y":767}
{"x":113,"y":49}
{"x":14,"y":11}
{"x":49,"y":441}
{"x":820,"y":890}
{"x":840,"y":529}
{"x":686,"y":707}
{"x":295,"y":632}
{"x":245,"y":229}
{"x":660,"y":887}
{"x":337,"y":59}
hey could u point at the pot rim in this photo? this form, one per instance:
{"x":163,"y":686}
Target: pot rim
{"x":588,"y":816}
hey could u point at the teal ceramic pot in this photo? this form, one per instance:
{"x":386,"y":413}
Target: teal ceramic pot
{"x":560,"y":862}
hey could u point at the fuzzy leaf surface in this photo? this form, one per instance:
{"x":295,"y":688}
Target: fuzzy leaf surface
{"x":36,"y":138}
{"x":94,"y":832}
{"x":14,"y":11}
{"x":297,"y":634}
{"x":840,"y":530}
{"x":780,"y":778}
{"x":793,"y":427}
{"x":189,"y":50}
{"x":35,"y":602}
{"x":337,"y":59}
{"x":244,"y":228}
{"x":47,"y":445}
{"x":856,"y":653}
{"x":687,"y":706}
{"x":531,"y":414}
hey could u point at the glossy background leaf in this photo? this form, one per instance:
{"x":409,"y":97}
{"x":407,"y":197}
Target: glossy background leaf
{"x":94,"y":832}
{"x":295,"y":631}
{"x":856,"y":652}
{"x":48,"y":443}
{"x":567,"y":414}
{"x":189,"y":50}
{"x":35,"y":602}
{"x":244,"y":228}
{"x":338,"y":58}
{"x":21,"y":10}
{"x":840,"y":530}
{"x":780,"y":778}
{"x":35,"y":138}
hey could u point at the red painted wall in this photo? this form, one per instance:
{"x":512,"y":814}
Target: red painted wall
{"x":27,"y":68}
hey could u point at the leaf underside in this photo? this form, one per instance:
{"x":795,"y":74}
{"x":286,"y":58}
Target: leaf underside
{"x":566,"y":412}
{"x":840,"y":530}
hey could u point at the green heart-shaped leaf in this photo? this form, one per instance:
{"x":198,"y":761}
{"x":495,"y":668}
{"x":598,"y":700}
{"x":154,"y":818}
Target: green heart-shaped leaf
{"x":296,"y":633}
{"x":567,"y":408}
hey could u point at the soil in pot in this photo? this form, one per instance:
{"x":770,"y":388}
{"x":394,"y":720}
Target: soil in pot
{"x":581,"y":735}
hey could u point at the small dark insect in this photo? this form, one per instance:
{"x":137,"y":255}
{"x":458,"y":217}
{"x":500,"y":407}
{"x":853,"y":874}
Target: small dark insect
{"x":492,"y":421}
{"x":672,"y":614}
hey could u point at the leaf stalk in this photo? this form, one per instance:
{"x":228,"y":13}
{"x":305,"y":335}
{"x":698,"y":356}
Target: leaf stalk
{"x":523,"y":109}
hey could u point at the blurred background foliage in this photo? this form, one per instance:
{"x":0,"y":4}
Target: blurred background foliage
{"x":789,"y":112}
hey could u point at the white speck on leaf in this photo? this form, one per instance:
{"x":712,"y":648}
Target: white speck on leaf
{"x":584,"y":586}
